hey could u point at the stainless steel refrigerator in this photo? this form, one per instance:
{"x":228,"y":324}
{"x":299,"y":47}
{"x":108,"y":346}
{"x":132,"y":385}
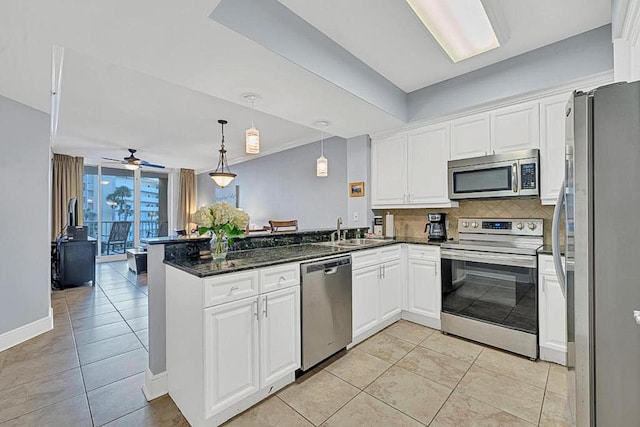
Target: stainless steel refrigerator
{"x":602,"y":243}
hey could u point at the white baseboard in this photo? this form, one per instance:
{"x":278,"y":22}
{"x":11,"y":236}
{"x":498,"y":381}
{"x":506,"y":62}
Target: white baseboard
{"x":422,"y":320}
{"x":26,"y":332}
{"x":553,"y":355}
{"x":155,"y":385}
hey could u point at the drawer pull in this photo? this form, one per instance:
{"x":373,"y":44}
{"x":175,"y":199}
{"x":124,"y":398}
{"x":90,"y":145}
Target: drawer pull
{"x":282,"y":279}
{"x":233,"y":288}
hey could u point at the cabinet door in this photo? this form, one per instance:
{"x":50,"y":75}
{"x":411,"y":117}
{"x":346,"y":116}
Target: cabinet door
{"x":552,"y":142}
{"x":552,"y":314}
{"x":470,"y":136}
{"x":428,"y":153}
{"x":231,"y":353}
{"x":279,"y":334}
{"x":424,"y":288}
{"x":515,"y":128}
{"x":390,"y":290}
{"x":366,"y":298}
{"x":388,"y":171}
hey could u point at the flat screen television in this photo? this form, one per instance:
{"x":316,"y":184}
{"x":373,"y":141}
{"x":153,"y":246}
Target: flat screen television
{"x":72,"y":212}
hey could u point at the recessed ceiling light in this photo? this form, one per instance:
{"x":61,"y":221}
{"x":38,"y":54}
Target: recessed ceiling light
{"x":461,"y":27}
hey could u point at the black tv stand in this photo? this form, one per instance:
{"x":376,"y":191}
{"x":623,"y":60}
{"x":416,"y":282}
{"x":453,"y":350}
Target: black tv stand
{"x":73,"y":262}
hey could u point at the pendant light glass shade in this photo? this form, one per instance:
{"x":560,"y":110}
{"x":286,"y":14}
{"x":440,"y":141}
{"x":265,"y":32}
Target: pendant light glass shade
{"x":222,"y":175}
{"x":252,"y":135}
{"x":322,"y":164}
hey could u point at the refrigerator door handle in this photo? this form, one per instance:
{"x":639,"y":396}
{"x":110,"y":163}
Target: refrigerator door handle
{"x":555,"y":241}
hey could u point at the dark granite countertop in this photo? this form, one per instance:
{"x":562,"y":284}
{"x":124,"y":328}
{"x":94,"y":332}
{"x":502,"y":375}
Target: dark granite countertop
{"x":257,"y":258}
{"x":416,"y":241}
{"x":177,"y":239}
{"x":546,"y":250}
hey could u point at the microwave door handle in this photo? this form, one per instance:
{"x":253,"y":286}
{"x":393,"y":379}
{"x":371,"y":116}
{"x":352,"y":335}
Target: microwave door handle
{"x":514,"y":177}
{"x":555,"y":240}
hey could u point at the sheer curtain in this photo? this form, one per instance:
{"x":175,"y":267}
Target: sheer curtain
{"x":186,"y":198}
{"x":67,"y":183}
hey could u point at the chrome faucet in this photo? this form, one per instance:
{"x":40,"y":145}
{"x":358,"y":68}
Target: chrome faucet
{"x":337,"y":232}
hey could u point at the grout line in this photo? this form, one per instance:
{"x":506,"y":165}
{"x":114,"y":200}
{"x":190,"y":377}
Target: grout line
{"x":282,"y":400}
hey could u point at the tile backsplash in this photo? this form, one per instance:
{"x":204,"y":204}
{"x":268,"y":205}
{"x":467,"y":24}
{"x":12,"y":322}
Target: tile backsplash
{"x":411,"y":222}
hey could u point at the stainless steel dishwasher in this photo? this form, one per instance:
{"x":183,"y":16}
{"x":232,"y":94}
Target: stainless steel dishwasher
{"x":326,"y":308}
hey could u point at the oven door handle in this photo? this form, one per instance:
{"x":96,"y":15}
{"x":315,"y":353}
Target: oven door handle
{"x":489,"y":258}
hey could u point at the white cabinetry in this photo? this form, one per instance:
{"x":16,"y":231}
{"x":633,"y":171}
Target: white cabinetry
{"x":511,"y":128}
{"x":552,"y":313}
{"x":470,"y":136}
{"x":410,"y":169}
{"x":423,"y":285}
{"x":227,"y":351}
{"x":377,"y":283}
{"x":552,"y":143}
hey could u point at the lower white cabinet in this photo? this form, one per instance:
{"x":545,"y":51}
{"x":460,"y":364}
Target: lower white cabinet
{"x":377,"y":284}
{"x":225,"y":358}
{"x":552,"y":313}
{"x":423,"y":283}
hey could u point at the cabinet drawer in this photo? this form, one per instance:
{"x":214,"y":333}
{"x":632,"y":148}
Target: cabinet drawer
{"x":230,"y":287}
{"x":391,"y":252}
{"x":546,"y":266}
{"x":361,"y":259}
{"x":423,"y":252}
{"x":279,"y":277}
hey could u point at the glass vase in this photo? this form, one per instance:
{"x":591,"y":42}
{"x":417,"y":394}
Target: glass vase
{"x":219,"y":247}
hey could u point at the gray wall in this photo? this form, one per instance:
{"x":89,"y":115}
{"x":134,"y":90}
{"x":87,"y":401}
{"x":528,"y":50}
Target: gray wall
{"x":24,"y":211}
{"x":359,"y":169}
{"x":284,"y":186}
{"x":562,"y":62}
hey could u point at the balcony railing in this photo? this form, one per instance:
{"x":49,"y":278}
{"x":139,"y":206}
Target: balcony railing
{"x":147,"y":229}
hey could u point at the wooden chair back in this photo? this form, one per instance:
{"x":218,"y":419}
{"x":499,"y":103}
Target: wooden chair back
{"x":290,"y":225}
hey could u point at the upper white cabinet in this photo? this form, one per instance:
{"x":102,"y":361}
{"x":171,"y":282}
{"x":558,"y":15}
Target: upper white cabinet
{"x":511,"y":128}
{"x":409,"y":170}
{"x":389,"y":171}
{"x":470,"y":136}
{"x":552,"y":142}
{"x":515,"y":128}
{"x":428,"y":151}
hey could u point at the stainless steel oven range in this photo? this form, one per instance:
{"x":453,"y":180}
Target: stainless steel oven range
{"x":490,"y":283}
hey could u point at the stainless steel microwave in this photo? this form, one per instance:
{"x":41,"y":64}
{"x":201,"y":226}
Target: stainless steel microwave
{"x":514,"y":174}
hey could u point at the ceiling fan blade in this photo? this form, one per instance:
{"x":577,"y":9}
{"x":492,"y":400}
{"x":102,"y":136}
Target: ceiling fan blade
{"x":150,"y":165}
{"x":113,"y":160}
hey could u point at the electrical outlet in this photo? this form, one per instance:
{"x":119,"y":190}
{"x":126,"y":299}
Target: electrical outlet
{"x":356,"y":216}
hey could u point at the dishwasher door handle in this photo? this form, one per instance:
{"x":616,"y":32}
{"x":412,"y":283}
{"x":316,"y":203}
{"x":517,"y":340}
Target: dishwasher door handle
{"x":333,"y":270}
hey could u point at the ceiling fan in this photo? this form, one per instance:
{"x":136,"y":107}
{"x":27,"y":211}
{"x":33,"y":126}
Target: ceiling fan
{"x":131,"y":162}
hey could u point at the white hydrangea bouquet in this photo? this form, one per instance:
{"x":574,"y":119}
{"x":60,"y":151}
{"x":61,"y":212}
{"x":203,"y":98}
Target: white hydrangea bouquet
{"x":223,"y":220}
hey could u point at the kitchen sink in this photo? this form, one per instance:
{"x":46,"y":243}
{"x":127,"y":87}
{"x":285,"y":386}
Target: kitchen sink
{"x":355,"y":243}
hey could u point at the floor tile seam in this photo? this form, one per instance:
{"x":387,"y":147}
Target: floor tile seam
{"x":450,"y":356}
{"x":105,"y":324}
{"x":401,"y":339}
{"x":430,"y":379}
{"x":47,"y":406}
{"x":394,"y":408}
{"x":495,"y":371}
{"x":468,"y":369}
{"x":103,"y":339}
{"x":93,"y":315}
{"x":292,"y":408}
{"x":361,"y":389}
{"x":112,"y":356}
{"x":495,"y":407}
{"x":544,"y":395}
{"x":115,"y":381}
{"x":41,"y":354}
{"x":342,"y":406}
{"x":40,"y":378}
{"x":115,"y":419}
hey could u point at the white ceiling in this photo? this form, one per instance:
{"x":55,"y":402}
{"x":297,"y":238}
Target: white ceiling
{"x":156,"y":74}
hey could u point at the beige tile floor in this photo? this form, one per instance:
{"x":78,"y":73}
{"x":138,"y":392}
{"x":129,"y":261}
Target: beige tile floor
{"x":89,"y":370}
{"x":410,"y":375}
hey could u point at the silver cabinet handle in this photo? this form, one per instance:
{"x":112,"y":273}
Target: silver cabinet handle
{"x":514,"y":177}
{"x":266,"y":306}
{"x":636,"y":315}
{"x":282,"y":279}
{"x":233,"y":288}
{"x":255,"y":313}
{"x":435,"y":270}
{"x":384,"y":271}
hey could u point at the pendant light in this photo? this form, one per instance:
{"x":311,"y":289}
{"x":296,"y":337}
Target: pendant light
{"x":252,"y":135}
{"x":220,"y":176}
{"x":322,"y":164}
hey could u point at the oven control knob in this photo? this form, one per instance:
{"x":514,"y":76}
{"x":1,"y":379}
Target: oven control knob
{"x":532,"y":226}
{"x":519,"y":226}
{"x":474,"y":224}
{"x":465,"y":224}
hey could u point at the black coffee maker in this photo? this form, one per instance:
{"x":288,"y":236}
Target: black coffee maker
{"x":436,"y":227}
